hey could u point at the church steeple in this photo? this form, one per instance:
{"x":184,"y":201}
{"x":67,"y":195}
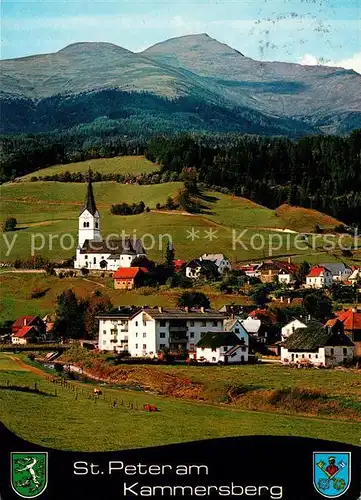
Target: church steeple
{"x":89,"y":203}
{"x":89,"y":219}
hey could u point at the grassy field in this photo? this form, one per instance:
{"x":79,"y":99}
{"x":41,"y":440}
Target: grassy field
{"x":48,"y":211}
{"x":117,"y":165}
{"x":65,"y":422}
{"x":15,"y":294}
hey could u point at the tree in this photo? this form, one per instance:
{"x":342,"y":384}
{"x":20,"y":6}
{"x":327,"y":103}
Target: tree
{"x":69,"y":321}
{"x":193,"y":299}
{"x":9,"y":224}
{"x":259,"y":295}
{"x":95,"y":305}
{"x":318,"y":305}
{"x":169,"y":257}
{"x":303,"y":271}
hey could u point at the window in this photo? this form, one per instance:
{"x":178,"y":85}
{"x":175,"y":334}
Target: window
{"x":86,"y":257}
{"x":84,"y":225}
{"x":136,"y":323}
{"x":96,"y":225}
{"x":162,"y":335}
{"x":296,"y":355}
{"x":144,"y":346}
{"x":310,"y":356}
{"x":191,"y":335}
{"x":191,"y":323}
{"x":214,"y":360}
{"x":303,"y":356}
{"x":215,"y":323}
{"x":316,"y":356}
{"x":345,"y":351}
{"x":104,"y":342}
{"x":144,"y":335}
{"x":214,"y":350}
{"x":104,"y":332}
{"x":136,"y":346}
{"x":243,"y":349}
{"x":144,"y":323}
{"x":136,"y":334}
{"x":161,"y":346}
{"x":236,"y":330}
{"x":332,"y":351}
{"x":162,"y":323}
{"x":225,"y":348}
{"x":203,"y":323}
{"x":95,"y":260}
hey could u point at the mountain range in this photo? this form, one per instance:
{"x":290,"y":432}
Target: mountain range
{"x":187,"y":83}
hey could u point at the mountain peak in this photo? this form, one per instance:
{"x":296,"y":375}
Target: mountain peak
{"x":195,"y":43}
{"x":92,"y":48}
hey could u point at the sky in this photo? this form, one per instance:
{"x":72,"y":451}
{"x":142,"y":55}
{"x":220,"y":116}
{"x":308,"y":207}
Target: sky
{"x":302,"y":31}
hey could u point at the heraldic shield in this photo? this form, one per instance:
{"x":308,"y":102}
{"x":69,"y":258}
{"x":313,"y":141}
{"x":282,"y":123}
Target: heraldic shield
{"x":29,"y":473}
{"x":331,"y":473}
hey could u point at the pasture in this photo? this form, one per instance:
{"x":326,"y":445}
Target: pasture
{"x":47,"y":215}
{"x":117,"y":165}
{"x":71,"y":421}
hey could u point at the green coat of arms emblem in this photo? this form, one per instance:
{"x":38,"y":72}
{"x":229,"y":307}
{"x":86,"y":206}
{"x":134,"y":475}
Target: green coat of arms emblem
{"x":29,"y":473}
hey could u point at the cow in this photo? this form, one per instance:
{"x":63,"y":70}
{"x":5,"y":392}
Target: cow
{"x":97,"y":392}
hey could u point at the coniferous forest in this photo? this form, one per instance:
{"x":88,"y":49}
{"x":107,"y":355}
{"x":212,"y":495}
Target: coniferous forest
{"x":320,"y":172}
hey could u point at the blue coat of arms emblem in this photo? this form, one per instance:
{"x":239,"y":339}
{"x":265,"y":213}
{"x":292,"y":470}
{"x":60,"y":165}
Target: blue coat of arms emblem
{"x":331,"y":473}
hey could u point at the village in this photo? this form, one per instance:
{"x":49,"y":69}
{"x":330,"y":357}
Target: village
{"x":292,"y":320}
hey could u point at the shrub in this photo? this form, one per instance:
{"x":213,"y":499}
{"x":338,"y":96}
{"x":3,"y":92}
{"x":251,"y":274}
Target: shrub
{"x":36,"y":293}
{"x":9,"y":224}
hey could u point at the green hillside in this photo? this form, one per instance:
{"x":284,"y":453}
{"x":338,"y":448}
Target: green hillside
{"x":49,"y":210}
{"x":117,"y":165}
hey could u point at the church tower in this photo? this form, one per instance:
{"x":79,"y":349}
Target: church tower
{"x":89,"y":219}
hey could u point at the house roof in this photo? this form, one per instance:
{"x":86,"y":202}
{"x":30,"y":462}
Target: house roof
{"x":351,"y":319}
{"x":316,"y":271}
{"x":89,"y":203}
{"x":128,"y":272}
{"x":219,"y":339}
{"x":177,"y":313}
{"x":214,"y":257}
{"x":233,"y":309}
{"x":21,"y":320}
{"x":23,"y":332}
{"x":336,"y":268}
{"x":116,"y":247}
{"x":178,"y":263}
{"x":120,"y":313}
{"x":313,"y":337}
{"x":259,"y":313}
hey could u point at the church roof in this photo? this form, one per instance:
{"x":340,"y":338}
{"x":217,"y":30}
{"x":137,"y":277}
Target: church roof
{"x":116,"y":247}
{"x":89,"y":203}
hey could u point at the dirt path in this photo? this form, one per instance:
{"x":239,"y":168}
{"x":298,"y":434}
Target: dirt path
{"x":29,"y":368}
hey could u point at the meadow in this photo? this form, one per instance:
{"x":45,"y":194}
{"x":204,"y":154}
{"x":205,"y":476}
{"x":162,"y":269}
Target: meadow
{"x":117,"y":165}
{"x":74,"y":422}
{"x":47,"y":214}
{"x":15,"y":294}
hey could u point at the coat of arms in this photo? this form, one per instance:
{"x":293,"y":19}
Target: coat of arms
{"x":331,"y":473}
{"x":29,"y":473}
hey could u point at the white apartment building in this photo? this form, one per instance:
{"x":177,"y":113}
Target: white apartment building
{"x":143,"y":332}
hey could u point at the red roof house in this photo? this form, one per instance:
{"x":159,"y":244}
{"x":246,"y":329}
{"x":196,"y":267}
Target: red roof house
{"x":352,"y":325}
{"x":27,"y":321}
{"x":25,"y":334}
{"x":126,"y":278}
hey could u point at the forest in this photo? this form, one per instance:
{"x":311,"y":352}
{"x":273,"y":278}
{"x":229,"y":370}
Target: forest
{"x":316,"y":171}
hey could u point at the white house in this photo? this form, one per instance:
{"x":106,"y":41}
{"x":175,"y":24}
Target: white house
{"x":221,"y":262}
{"x":355,"y":277}
{"x":319,"y":277}
{"x":197,"y":268}
{"x":224,"y":347}
{"x":319,"y":346}
{"x":251,"y":325}
{"x":285,"y":277}
{"x":95,"y":253}
{"x":339,"y":270}
{"x":235,"y":325}
{"x":143,"y":332}
{"x":291,"y":327}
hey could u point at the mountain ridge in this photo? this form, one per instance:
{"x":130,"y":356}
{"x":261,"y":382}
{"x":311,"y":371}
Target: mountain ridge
{"x":196,"y":67}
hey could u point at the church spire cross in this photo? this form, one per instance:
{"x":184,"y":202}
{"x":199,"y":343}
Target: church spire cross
{"x":90,"y":200}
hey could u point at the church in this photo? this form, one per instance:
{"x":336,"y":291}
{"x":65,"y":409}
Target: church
{"x":95,"y":253}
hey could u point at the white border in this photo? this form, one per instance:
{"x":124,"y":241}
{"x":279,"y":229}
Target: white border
{"x":332,"y":453}
{"x":46,"y":471}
